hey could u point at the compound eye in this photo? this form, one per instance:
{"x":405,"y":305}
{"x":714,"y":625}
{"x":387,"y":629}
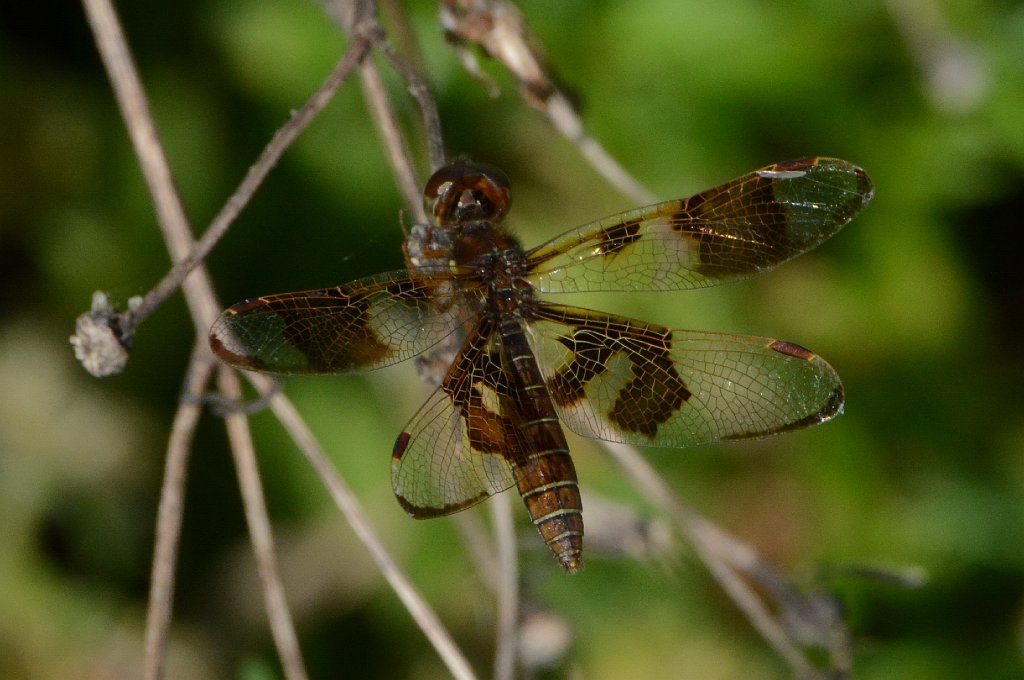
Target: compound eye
{"x":464,"y":191}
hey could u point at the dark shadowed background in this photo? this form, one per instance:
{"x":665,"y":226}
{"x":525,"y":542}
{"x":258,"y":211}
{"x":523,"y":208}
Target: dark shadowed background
{"x":918,"y":304}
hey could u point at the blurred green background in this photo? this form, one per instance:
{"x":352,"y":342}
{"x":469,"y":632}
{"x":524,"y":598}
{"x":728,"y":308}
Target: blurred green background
{"x":918,"y":304}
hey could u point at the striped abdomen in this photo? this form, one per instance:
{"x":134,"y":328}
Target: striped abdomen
{"x":546,"y":477}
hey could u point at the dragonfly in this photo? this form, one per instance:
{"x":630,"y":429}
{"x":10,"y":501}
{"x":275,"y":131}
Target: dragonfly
{"x":524,"y":367}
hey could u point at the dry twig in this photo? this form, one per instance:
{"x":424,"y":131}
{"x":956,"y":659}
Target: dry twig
{"x":497,"y":27}
{"x":349,"y":505}
{"x":507,"y":595}
{"x":249,"y":484}
{"x":170,"y":511}
{"x":204,"y":308}
{"x":736,"y":566}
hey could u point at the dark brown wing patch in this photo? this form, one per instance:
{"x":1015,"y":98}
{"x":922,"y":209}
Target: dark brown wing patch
{"x":619,"y":236}
{"x":360,"y":326}
{"x":626,"y":380}
{"x":455,"y":451}
{"x":721,"y":251}
{"x":654,"y":391}
{"x":733,"y":231}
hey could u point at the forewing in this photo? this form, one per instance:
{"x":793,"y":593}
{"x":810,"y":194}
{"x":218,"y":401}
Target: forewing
{"x":629,"y":381}
{"x":456,"y":451}
{"x":359,"y":326}
{"x":733,"y":231}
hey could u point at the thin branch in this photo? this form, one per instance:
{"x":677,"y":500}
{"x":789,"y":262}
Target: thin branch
{"x":402,"y":34}
{"x":250,"y":485}
{"x":117,"y":59}
{"x":127,"y":86}
{"x":507,"y":591}
{"x":158,"y":170}
{"x":428,"y":107}
{"x":349,"y":505}
{"x":360,"y":16}
{"x":722,"y":554}
{"x":199,"y":297}
{"x":198,"y":294}
{"x":567,"y":121}
{"x":169,"y":514}
{"x":479,"y":546}
{"x":497,"y":27}
{"x":384,"y":118}
{"x":258,"y":171}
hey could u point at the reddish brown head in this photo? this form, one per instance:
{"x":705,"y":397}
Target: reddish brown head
{"x":463,"y":191}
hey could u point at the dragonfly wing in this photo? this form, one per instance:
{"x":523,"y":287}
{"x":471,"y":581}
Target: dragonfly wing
{"x":733,"y":231}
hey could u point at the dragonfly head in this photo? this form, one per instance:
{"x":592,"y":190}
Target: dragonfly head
{"x":463,"y":191}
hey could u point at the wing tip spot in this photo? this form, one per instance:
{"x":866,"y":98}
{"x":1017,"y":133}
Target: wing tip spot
{"x":792,"y":349}
{"x":220,"y":344}
{"x":401,"y":444}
